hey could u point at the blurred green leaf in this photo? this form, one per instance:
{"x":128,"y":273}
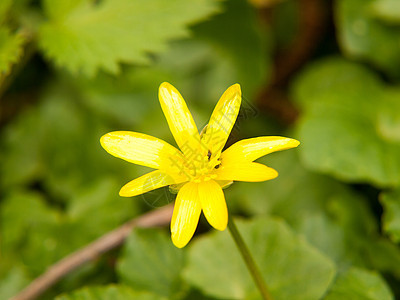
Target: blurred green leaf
{"x":388,"y":122}
{"x":345,"y":128}
{"x":238,"y":38}
{"x":111,"y":292}
{"x":4,"y":7}
{"x":391,"y":217}
{"x":292,"y":268}
{"x":51,"y":144}
{"x":332,"y":217}
{"x":10,"y":49}
{"x":85,"y":36}
{"x":100,"y":199}
{"x":41,"y":235}
{"x":12,"y":282}
{"x":151,"y":262}
{"x":359,"y":284}
{"x":201,"y":68}
{"x":387,"y":10}
{"x":21,"y":215}
{"x":362,"y":36}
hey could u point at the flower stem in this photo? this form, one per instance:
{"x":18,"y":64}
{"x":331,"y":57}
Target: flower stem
{"x":250,"y":263}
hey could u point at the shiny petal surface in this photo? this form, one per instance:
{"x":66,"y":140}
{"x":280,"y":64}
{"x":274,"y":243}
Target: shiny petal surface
{"x":251,"y":172}
{"x":222,"y":120}
{"x":149,"y":182}
{"x":180,"y":120}
{"x":250,"y":149}
{"x":213,"y":204}
{"x":186,"y":214}
{"x":142,"y":149}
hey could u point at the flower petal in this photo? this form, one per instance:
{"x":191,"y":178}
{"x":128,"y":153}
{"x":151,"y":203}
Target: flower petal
{"x":149,"y":182}
{"x":186,"y":214}
{"x":180,"y":120}
{"x":251,"y":172}
{"x":250,"y":149}
{"x":213,"y":203}
{"x":222,"y":120}
{"x":224,"y":183}
{"x":142,"y":149}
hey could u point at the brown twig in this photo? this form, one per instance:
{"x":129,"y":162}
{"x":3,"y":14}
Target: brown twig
{"x":273,"y":97}
{"x":92,"y":251}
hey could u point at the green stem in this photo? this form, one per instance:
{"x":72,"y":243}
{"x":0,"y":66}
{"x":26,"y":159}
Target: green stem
{"x":250,"y":263}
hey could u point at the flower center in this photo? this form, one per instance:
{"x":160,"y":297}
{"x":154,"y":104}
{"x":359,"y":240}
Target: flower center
{"x":199,"y":168}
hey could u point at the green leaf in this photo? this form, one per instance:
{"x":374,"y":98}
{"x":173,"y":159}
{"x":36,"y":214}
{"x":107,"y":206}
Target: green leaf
{"x":151,"y":262}
{"x":21,"y":215}
{"x":391,"y":217}
{"x":13,"y":282}
{"x":85,"y":36}
{"x":388,"y":123}
{"x":291,"y":267}
{"x":40,"y":235}
{"x":111,"y":292}
{"x":359,"y":284}
{"x":345,"y":128}
{"x":252,"y":65}
{"x":56,"y":144}
{"x":100,"y":199}
{"x":4,"y":7}
{"x":387,"y":10}
{"x":330,"y":215}
{"x":10,"y":50}
{"x":362,"y":36}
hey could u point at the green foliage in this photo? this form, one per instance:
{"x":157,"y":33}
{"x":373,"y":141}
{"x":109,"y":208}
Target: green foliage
{"x":327,"y":228}
{"x":12,"y":282}
{"x":282,"y":257}
{"x":4,"y":8}
{"x":359,"y":284}
{"x":151,"y":262}
{"x":391,"y":217}
{"x":351,"y":112}
{"x":112,"y":292}
{"x":387,"y":10}
{"x":223,"y":33}
{"x":10,"y":49}
{"x":85,"y":36}
{"x":363,"y":36}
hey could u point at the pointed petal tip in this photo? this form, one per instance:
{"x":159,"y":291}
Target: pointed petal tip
{"x":109,"y":136}
{"x":274,"y":173}
{"x":235,"y":88}
{"x":123,"y":193}
{"x":165,"y":85}
{"x":178,"y":243}
{"x":221,"y":227}
{"x":106,"y":141}
{"x":103,"y":140}
{"x":294,"y":143}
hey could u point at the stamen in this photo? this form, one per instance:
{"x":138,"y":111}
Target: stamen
{"x":218,"y":163}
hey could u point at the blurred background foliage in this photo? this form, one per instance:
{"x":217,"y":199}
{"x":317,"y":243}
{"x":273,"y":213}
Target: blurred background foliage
{"x":324,"y":72}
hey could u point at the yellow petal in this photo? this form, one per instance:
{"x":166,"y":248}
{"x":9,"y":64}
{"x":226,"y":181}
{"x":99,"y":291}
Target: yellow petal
{"x":149,"y":182}
{"x":224,"y":183}
{"x":142,"y":149}
{"x":186,"y":214}
{"x":222,"y":120}
{"x":251,"y":172}
{"x":213,"y":204}
{"x":180,"y":120}
{"x":250,"y":149}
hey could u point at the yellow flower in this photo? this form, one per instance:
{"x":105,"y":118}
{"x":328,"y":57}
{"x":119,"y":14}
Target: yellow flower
{"x":198,"y":171}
